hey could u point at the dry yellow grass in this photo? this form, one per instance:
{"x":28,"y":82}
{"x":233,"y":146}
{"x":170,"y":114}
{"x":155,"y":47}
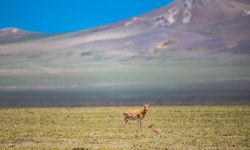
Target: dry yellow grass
{"x":191,"y":127}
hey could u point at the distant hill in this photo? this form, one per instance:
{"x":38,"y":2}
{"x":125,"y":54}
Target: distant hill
{"x":11,"y":35}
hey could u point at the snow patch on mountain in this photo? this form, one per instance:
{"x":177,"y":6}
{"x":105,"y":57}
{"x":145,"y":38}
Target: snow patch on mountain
{"x":132,"y":21}
{"x":168,"y":19}
{"x":187,"y":15}
{"x":246,"y":12}
{"x":11,"y":30}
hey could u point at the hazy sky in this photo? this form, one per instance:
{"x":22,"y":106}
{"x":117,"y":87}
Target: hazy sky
{"x":69,"y":15}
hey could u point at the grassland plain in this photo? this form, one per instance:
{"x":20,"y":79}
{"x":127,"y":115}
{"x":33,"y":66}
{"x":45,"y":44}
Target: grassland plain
{"x":182,"y":127}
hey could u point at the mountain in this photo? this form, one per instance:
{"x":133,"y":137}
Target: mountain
{"x":11,"y":35}
{"x":208,"y":25}
{"x":189,"y":49}
{"x":218,"y":25}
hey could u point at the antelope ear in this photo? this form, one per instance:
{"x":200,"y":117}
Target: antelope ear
{"x":148,"y":104}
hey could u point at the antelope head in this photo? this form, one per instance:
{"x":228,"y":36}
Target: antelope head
{"x":146,"y":106}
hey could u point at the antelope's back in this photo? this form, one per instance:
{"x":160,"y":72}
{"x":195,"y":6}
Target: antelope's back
{"x":132,"y":114}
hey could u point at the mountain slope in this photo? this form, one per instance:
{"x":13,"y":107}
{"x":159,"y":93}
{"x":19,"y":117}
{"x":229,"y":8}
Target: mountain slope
{"x":208,"y":25}
{"x":190,"y":49}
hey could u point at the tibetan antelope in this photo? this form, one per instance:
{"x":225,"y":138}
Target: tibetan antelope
{"x":153,"y":129}
{"x":136,"y":114}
